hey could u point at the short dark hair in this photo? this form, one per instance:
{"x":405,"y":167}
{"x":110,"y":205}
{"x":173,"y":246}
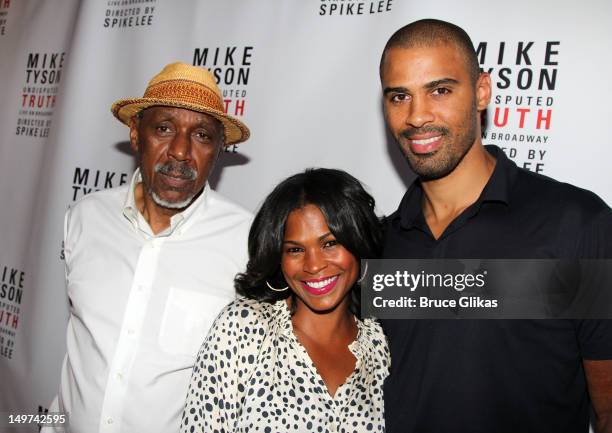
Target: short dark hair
{"x":348,"y":210}
{"x":430,"y":32}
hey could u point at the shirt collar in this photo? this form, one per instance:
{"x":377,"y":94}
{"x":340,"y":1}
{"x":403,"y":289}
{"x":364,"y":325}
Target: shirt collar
{"x":497,"y":189}
{"x":499,"y":186}
{"x":131,"y":212}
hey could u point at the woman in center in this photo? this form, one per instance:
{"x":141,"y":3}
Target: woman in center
{"x":292,"y":354}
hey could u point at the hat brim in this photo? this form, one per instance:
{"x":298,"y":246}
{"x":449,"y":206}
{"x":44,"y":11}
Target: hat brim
{"x":235,"y":130}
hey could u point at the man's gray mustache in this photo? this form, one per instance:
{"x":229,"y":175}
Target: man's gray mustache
{"x":177,"y":170}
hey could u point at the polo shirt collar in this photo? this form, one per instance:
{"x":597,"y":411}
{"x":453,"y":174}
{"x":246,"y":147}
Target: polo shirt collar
{"x":131,"y":212}
{"x":499,"y":186}
{"x":497,"y":189}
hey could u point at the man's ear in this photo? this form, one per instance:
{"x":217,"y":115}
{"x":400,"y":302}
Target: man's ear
{"x":483,"y":91}
{"x":134,"y":134}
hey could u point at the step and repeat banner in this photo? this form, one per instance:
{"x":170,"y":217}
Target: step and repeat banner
{"x":303,"y":74}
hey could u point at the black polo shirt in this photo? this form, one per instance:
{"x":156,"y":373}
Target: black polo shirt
{"x":498,"y":376}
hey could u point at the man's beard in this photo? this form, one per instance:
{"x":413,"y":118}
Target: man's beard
{"x":175,"y":169}
{"x":446,"y":158}
{"x":171,"y":204}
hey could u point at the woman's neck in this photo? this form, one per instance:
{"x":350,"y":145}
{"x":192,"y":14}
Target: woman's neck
{"x":333,"y":326}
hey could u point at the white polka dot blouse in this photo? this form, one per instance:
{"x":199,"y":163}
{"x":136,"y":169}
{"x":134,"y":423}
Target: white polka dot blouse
{"x":252,"y":375}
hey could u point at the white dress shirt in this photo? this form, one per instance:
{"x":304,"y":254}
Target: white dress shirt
{"x":141,"y":305}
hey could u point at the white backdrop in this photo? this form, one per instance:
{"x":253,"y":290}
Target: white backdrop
{"x":303,"y":74}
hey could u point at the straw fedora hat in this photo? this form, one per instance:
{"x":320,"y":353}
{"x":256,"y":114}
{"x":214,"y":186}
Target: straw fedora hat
{"x":184,"y":86}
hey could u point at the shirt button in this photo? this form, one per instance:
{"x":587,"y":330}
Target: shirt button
{"x":109,"y":421}
{"x":119,"y":376}
{"x":130,"y":332}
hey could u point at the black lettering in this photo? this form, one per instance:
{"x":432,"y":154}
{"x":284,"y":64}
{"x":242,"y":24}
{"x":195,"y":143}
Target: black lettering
{"x":229,"y":56}
{"x":550,"y":80}
{"x":243,"y":76}
{"x":217,"y":73}
{"x":80,"y":177}
{"x":549,"y":53}
{"x":500,"y":55}
{"x":521,"y":53}
{"x":76,"y":192}
{"x":481,"y":52}
{"x":504,"y":82}
{"x":229,"y":76}
{"x":520,"y":81}
{"x":199,"y":57}
{"x":53,"y":61}
{"x":108,"y":182}
{"x":32,"y":60}
{"x":13,"y":277}
{"x":246,"y":56}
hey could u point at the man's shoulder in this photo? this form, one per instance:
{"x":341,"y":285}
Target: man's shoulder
{"x":106,"y":200}
{"x":556,"y":195}
{"x":224,"y":207}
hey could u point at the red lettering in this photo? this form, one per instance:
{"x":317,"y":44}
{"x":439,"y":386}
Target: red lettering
{"x":541,"y":118}
{"x":239,"y":111}
{"x":523,"y":111}
{"x":504,"y":122}
{"x":5,"y":315}
{"x":31,"y":101}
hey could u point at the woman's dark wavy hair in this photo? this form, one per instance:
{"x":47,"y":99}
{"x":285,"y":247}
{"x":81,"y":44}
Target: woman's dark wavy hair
{"x":347,"y":208}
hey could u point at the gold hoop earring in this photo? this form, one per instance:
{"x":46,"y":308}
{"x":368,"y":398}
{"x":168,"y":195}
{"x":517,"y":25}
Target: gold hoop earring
{"x":365,"y":272}
{"x":276,"y":290}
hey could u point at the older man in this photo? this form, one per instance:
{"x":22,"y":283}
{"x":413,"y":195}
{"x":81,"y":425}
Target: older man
{"x":150,"y":265}
{"x":494,"y":376}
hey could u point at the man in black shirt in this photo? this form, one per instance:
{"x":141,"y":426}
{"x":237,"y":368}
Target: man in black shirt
{"x":483,"y":376}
